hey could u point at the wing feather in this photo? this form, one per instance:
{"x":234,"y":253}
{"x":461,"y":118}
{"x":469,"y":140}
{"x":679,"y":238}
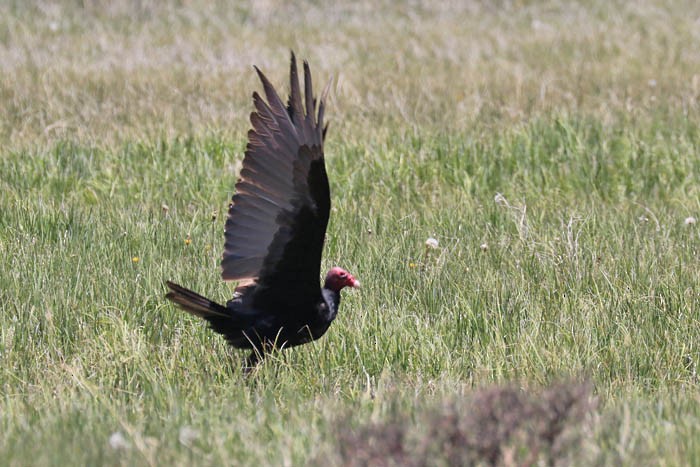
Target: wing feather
{"x":276,"y":197}
{"x":260,"y":173}
{"x":277,"y":219}
{"x":278,"y":109}
{"x":295,"y":109}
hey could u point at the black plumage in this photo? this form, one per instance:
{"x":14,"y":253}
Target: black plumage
{"x":275,"y":231}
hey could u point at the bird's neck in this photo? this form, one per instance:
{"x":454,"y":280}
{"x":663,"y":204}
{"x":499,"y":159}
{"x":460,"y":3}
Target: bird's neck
{"x":332,"y":299}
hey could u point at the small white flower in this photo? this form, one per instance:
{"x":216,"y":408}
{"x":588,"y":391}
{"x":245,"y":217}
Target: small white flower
{"x":187,"y":435}
{"x":643,"y":218}
{"x":117,"y":441}
{"x":484,"y":247}
{"x":690,"y":220}
{"x":431,"y":242}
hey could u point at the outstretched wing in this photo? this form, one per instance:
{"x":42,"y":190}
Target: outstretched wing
{"x":277,"y":219}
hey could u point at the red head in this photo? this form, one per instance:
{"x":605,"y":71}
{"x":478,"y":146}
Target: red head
{"x":337,"y":278}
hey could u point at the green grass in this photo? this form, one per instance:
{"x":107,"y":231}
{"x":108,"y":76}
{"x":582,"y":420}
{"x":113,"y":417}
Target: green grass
{"x":564,"y":252}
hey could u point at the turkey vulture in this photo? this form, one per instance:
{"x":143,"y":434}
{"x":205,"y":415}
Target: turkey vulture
{"x":275,"y":231}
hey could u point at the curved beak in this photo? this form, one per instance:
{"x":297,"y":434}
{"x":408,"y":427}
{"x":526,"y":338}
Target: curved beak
{"x":355,"y":283}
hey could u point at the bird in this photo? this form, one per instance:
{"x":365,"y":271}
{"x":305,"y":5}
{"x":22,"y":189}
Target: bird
{"x":275,"y":231}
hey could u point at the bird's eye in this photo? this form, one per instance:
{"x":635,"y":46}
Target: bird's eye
{"x":343,"y":275}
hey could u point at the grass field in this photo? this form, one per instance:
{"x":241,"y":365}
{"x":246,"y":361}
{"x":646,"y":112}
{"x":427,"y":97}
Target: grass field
{"x":552,"y":150}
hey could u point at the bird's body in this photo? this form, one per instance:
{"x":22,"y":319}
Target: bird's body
{"x":275,"y":232}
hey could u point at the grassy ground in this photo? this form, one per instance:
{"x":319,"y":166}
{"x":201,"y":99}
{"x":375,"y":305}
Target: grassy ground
{"x":552,"y":150}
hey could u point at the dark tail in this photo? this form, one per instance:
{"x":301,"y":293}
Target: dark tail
{"x":221,"y":319}
{"x":194,"y":303}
